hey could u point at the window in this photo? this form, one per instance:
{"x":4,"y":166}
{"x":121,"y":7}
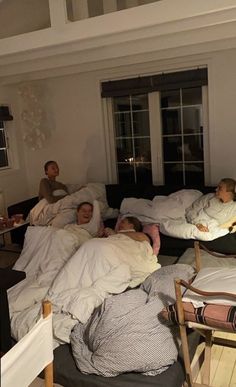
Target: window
{"x":159,"y":135}
{"x":4,"y":158}
{"x":182,"y":136}
{"x":132,"y":139}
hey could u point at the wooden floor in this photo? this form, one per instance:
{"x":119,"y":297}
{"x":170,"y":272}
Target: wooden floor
{"x":223,"y":365}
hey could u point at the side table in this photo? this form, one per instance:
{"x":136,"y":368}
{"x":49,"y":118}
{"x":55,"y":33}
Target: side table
{"x":9,"y":229}
{"x":8,"y":278}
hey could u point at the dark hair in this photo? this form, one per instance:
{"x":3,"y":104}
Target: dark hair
{"x":230,"y":186}
{"x":46,"y":165}
{"x":135,"y":222}
{"x":81,"y":205}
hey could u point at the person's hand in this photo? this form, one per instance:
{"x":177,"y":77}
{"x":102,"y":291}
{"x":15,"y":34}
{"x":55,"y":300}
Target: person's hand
{"x":202,"y":228}
{"x":108,"y":231}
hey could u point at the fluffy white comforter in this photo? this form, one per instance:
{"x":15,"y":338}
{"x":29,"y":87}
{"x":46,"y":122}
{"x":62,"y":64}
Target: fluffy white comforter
{"x":75,"y":282}
{"x":170,"y":213}
{"x":63,"y":211}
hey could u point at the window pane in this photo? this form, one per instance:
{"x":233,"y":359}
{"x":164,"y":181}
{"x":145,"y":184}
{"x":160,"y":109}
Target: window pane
{"x":123,"y":124}
{"x":3,"y":158}
{"x":126,"y":173}
{"x":139,"y":102}
{"x":141,"y":124}
{"x":192,"y":96}
{"x":173,"y":173}
{"x":192,"y":120}
{"x":193,"y":148}
{"x":144,"y":173}
{"x":172,"y":147}
{"x":171,"y":121}
{"x":121,"y":104}
{"x":170,"y":98}
{"x":124,"y":149}
{"x":2,"y":139}
{"x":194,"y":173}
{"x":142,"y":149}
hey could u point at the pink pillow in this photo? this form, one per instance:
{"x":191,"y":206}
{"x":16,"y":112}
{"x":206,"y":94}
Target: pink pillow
{"x":151,"y":229}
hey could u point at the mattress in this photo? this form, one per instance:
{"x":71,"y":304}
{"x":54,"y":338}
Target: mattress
{"x":66,"y":373}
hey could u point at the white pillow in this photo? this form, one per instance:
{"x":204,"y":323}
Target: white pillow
{"x":59,"y":192}
{"x":213,"y":279}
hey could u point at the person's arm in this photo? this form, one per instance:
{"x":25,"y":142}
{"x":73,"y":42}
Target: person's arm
{"x":45,"y":192}
{"x":195,"y":214}
{"x":108,"y":231}
{"x":138,"y":236}
{"x":202,"y":228}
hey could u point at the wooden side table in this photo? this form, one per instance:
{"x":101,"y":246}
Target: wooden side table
{"x":9,"y":229}
{"x":8,"y":278}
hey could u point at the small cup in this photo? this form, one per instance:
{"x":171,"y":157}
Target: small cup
{"x":10,"y":223}
{"x":18,"y":218}
{"x":2,"y":224}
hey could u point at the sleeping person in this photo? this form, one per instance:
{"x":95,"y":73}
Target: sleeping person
{"x":101,"y":267}
{"x":76,"y":277}
{"x":132,"y":227}
{"x":49,"y":188}
{"x":214,"y":209}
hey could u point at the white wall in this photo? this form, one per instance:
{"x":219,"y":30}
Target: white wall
{"x":76,"y":133}
{"x":13,"y":182}
{"x":76,"y":138}
{"x":222,"y":105}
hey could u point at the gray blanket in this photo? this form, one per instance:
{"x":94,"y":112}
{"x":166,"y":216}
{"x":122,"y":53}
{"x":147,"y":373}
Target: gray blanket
{"x":126,"y":334}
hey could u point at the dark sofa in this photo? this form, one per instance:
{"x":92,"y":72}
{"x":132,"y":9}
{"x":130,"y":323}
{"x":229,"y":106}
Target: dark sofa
{"x":169,"y":245}
{"x":116,"y":193}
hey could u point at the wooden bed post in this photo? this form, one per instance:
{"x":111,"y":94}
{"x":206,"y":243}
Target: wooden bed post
{"x":183,"y":333}
{"x":48,"y":371}
{"x":197,"y":255}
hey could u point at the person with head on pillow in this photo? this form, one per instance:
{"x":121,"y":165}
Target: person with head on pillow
{"x":214,"y":208}
{"x":132,"y":227}
{"x":88,"y":219}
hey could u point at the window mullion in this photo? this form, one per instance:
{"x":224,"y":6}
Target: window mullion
{"x":132,"y":135}
{"x":182,"y":134}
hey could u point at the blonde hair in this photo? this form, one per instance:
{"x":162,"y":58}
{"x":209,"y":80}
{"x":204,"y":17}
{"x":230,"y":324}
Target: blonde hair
{"x":230,"y":186}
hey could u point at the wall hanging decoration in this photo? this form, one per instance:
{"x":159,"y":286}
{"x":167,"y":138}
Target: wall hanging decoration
{"x":33,"y":115}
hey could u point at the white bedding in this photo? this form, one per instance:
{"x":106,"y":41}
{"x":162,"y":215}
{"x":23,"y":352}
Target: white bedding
{"x":170,"y":213}
{"x":75,"y":282}
{"x":63,"y":211}
{"x":46,"y":249}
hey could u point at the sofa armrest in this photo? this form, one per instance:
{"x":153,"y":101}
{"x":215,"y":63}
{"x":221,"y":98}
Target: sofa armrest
{"x":23,"y":207}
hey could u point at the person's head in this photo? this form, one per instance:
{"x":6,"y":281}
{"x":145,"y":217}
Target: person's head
{"x":51,"y":169}
{"x":84,"y":212}
{"x":226,"y":190}
{"x":130,"y":222}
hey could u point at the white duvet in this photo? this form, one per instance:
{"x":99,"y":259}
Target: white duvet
{"x":101,"y":267}
{"x":46,"y":249}
{"x":170,"y":213}
{"x":75,"y":282}
{"x":63,"y":211}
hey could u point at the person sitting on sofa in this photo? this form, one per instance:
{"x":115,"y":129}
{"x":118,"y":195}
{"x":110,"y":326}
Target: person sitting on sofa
{"x":132,"y":227}
{"x":218,"y":207}
{"x":49,"y":188}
